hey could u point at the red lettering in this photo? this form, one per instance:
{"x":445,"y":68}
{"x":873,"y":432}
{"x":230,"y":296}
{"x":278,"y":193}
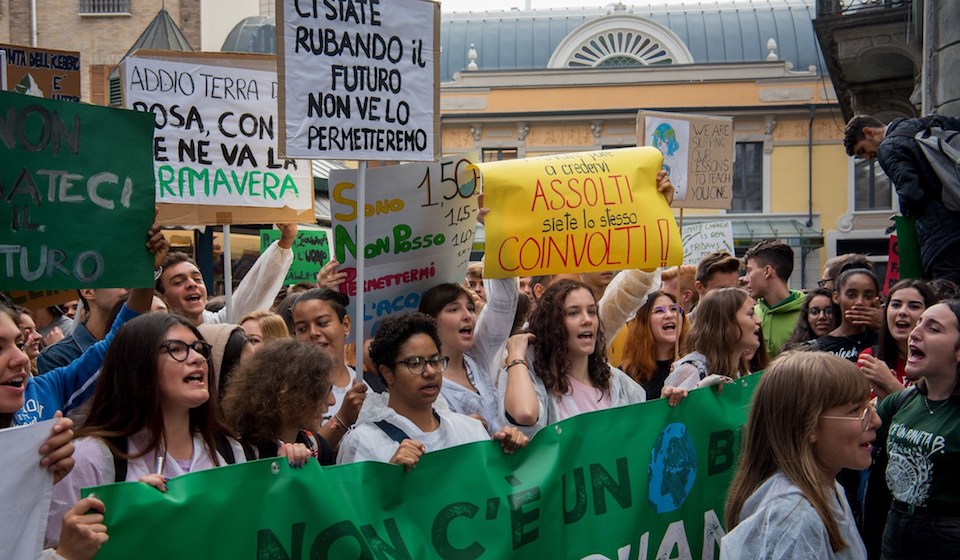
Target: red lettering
{"x":500,"y":252}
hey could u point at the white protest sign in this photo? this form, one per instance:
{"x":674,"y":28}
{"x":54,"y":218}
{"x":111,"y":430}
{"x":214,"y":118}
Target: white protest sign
{"x":665,"y":134}
{"x":699,"y":240}
{"x":26,"y":490}
{"x":420,"y":222}
{"x":359,"y":79}
{"x":215,"y":137}
{"x":3,"y":70}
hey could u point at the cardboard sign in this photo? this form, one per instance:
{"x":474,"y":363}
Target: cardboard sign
{"x":698,"y":154}
{"x":311,"y":250}
{"x":215,"y":146}
{"x":578,"y":212}
{"x":420,"y":222}
{"x":699,"y":240}
{"x":46,"y":73}
{"x":78,"y":195}
{"x":40,"y":299}
{"x":893,"y":266}
{"x":359,"y":79}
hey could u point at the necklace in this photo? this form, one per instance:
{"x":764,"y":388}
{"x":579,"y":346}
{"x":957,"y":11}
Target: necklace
{"x":933,"y":411}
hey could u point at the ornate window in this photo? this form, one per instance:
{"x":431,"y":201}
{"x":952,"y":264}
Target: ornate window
{"x":620,"y":40}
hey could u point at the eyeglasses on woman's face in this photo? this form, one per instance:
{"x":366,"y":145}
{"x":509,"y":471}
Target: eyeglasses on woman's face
{"x":864,"y":417}
{"x":663,"y":309}
{"x":418,"y":364}
{"x":825,"y":311}
{"x":179,"y":350}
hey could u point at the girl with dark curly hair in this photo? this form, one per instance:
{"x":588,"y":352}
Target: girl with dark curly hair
{"x":559,"y":369}
{"x":817,"y":318}
{"x":279,"y":395}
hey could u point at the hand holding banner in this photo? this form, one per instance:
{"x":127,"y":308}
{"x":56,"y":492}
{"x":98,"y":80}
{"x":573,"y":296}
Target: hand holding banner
{"x":588,"y":211}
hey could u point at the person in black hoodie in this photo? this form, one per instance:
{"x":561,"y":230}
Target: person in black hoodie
{"x":918,"y":187}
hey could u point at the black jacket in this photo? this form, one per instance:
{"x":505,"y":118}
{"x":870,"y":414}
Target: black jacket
{"x":918,"y":187}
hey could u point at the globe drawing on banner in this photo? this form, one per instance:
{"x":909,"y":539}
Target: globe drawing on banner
{"x":673,"y":468}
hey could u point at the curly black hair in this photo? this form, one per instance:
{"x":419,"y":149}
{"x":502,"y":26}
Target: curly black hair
{"x":393,"y":332}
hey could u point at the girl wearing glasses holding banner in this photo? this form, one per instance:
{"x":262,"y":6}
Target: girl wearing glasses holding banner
{"x":406,"y":351}
{"x":810,"y":417}
{"x":154,"y":414}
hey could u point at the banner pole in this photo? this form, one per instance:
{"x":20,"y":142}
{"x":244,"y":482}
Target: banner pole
{"x":361,"y":244}
{"x":676,"y":343}
{"x":227,"y":273}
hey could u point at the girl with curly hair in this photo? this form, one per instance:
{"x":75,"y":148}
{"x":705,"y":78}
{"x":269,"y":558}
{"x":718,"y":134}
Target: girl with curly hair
{"x":279,"y":396}
{"x":559,"y":369}
{"x":652,"y":339}
{"x":726,"y":330}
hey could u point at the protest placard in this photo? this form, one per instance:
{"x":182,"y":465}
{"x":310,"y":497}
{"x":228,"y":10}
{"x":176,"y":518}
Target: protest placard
{"x":593,"y":486}
{"x":420,"y":222}
{"x":359,"y":79}
{"x":699,"y":240}
{"x":3,"y":70}
{"x":38,"y":299}
{"x":215,"y":144}
{"x":26,"y":488}
{"x":46,"y":73}
{"x":698,"y":153}
{"x":77,"y":186}
{"x":311,"y":250}
{"x":582,"y":212}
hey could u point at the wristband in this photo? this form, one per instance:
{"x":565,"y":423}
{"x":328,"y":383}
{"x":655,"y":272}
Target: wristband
{"x":157,"y":273}
{"x":516,"y":362}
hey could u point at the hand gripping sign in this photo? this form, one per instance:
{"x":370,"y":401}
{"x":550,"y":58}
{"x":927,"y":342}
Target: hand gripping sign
{"x":578,"y":212}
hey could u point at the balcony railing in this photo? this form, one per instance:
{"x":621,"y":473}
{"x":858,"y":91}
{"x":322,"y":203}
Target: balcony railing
{"x":849,"y":7}
{"x":104,"y":7}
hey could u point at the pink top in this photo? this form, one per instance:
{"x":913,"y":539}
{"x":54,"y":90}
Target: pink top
{"x":582,"y":398}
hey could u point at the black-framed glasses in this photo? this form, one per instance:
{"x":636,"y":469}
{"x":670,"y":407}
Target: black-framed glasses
{"x":864,"y":417}
{"x":823,"y":283}
{"x":179,"y":350}
{"x":417,"y":364}
{"x":825,"y":311}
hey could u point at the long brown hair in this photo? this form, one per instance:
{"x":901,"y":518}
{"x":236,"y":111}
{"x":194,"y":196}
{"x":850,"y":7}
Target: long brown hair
{"x":127,"y":397}
{"x":787,"y":404}
{"x":640,"y":352}
{"x":715,"y":333}
{"x":550,"y":351}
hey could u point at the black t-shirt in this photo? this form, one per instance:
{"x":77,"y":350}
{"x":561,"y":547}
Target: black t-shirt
{"x":655,"y":385}
{"x":848,"y":347}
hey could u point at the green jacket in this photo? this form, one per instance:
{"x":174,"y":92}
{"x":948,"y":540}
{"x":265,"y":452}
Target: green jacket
{"x":779,"y":322}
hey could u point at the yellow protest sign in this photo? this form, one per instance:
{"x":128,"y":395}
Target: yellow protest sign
{"x":577,"y":212}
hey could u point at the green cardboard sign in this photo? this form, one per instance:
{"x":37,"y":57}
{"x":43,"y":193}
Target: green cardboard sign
{"x":311,"y":250}
{"x":76,"y":185}
{"x":642,"y":481}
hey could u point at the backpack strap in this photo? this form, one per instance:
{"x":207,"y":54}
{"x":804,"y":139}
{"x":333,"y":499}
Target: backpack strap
{"x":225,"y":449}
{"x":119,"y":463}
{"x":395,"y":433}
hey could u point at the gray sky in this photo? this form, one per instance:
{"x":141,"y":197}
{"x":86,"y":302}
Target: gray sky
{"x":482,"y":5}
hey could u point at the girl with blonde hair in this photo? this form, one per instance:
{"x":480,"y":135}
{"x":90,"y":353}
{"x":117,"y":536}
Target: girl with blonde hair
{"x":263,"y":326}
{"x":810,"y":417}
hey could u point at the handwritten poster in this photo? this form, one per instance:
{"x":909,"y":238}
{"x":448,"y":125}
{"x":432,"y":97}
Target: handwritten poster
{"x":420,"y":222}
{"x":215,"y":140}
{"x":78,"y":195}
{"x":311,"y":250}
{"x":698,"y":154}
{"x":699,"y":240}
{"x":577,"y":212}
{"x":47,"y":73}
{"x":359,"y":79}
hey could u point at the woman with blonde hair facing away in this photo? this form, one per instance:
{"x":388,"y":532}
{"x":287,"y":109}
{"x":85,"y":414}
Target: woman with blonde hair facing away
{"x":725,"y":331}
{"x":279,"y":396}
{"x":263,"y":326}
{"x":811,"y":417}
{"x":652,"y":342}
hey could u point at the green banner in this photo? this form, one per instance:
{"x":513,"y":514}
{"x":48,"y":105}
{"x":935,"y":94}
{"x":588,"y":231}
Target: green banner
{"x":642,"y":481}
{"x":311,"y":250}
{"x":76,"y":182}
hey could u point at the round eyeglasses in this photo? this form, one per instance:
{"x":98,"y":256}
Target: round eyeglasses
{"x":864,"y":418}
{"x":179,"y":350}
{"x":417,"y":365}
{"x":825,"y":311}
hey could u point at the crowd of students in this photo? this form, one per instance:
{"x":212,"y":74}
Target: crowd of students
{"x":161,"y":386}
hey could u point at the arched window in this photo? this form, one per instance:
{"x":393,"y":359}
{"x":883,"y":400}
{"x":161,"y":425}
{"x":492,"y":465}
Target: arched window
{"x":620,"y":40}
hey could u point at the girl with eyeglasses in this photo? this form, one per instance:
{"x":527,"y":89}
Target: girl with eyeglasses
{"x":884,"y":365}
{"x":810,"y":418}
{"x":816,"y":318}
{"x":406,"y":351}
{"x":559,"y":368}
{"x":652,"y":342}
{"x":472,"y":343}
{"x":154,"y":413}
{"x":920,"y":443}
{"x":725,"y":333}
